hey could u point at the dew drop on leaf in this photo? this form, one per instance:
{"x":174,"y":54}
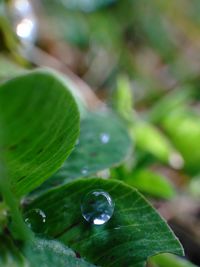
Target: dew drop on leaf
{"x":84,"y":171}
{"x":97,"y":207}
{"x":105,"y":138}
{"x":35,"y":220}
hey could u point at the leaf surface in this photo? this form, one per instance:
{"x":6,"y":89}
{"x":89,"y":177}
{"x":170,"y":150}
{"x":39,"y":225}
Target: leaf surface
{"x":184,"y":130}
{"x":150,"y":140}
{"x":151,"y":183}
{"x":10,"y":255}
{"x":51,"y":253}
{"x":41,"y":252}
{"x":39,"y":123}
{"x":103,"y":143}
{"x":166,"y":260}
{"x":134,"y":233}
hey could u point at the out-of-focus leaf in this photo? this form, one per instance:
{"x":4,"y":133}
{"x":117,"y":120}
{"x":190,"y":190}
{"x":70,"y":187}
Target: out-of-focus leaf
{"x":81,"y":5}
{"x":174,"y":100}
{"x":184,"y":131}
{"x":8,"y":38}
{"x":9,"y":69}
{"x":3,"y":216}
{"x":87,"y":6}
{"x":167,"y":260}
{"x":75,"y":91}
{"x":51,"y":253}
{"x":151,"y":183}
{"x":123,"y":98}
{"x":194,"y":187}
{"x":153,"y":27}
{"x":71,"y":26}
{"x":39,"y":124}
{"x":40,"y":252}
{"x":103,"y":143}
{"x":149,"y":139}
{"x":10,"y":255}
{"x":134,"y":233}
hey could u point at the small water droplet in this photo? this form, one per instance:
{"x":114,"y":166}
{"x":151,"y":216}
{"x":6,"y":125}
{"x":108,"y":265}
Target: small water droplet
{"x":97,"y":207}
{"x":84,"y":171}
{"x":105,"y":138}
{"x":35,"y":220}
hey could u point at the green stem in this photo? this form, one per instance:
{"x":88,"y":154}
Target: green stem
{"x":19,"y":228}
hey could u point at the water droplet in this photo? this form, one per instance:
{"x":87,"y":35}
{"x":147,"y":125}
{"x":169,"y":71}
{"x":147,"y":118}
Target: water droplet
{"x":105,"y":138}
{"x":97,"y":207}
{"x":84,"y":171}
{"x":35,"y":220}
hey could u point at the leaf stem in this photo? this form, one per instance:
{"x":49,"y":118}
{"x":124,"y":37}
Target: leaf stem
{"x":19,"y":229}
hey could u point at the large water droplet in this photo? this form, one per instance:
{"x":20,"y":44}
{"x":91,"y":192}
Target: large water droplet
{"x":97,"y":207}
{"x":35,"y":220}
{"x":105,"y":138}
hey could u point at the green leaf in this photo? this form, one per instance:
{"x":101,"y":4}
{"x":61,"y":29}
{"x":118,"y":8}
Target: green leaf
{"x":10,"y":255}
{"x":184,"y":130}
{"x":41,"y":252}
{"x":152,"y":28}
{"x":151,"y":183}
{"x":103,"y":143}
{"x":75,"y":91}
{"x":9,"y":69}
{"x":194,"y":187}
{"x":3,"y":215}
{"x":134,"y":233}
{"x":123,"y":98}
{"x":175,"y":99}
{"x":39,"y":124}
{"x":51,"y":253}
{"x":166,"y":260}
{"x":17,"y":225}
{"x":150,"y":140}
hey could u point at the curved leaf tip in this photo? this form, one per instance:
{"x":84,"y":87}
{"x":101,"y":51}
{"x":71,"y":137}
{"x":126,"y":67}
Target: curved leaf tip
{"x":39,"y":122}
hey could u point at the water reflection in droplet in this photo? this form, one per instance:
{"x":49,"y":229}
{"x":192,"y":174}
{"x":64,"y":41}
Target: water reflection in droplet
{"x":105,"y":138}
{"x":35,"y":220}
{"x":97,"y":207}
{"x":84,"y":171}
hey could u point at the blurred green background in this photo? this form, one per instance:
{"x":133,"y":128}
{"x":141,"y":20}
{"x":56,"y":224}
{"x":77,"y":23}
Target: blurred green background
{"x":142,"y":58}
